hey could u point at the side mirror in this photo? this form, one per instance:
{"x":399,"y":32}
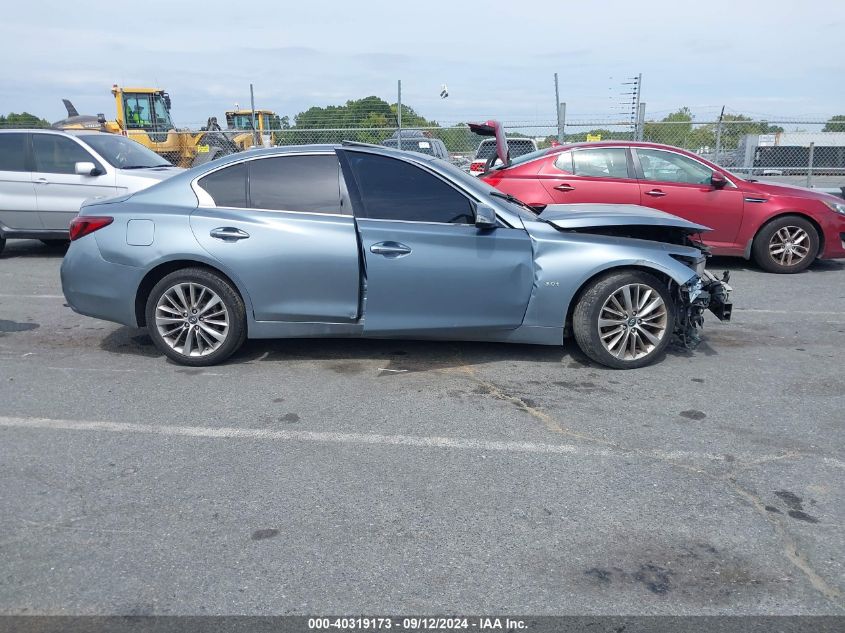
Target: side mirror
{"x":717,"y":180}
{"x":485,"y":217}
{"x":86,"y":169}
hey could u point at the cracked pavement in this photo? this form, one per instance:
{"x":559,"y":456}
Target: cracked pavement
{"x":315,"y":476}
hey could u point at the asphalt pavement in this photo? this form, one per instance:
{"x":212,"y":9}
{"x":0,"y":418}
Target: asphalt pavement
{"x":353,"y":476}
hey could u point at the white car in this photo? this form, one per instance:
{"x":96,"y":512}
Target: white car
{"x":45,"y":175}
{"x":487,"y":148}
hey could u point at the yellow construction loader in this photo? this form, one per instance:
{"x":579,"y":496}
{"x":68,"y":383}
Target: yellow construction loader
{"x":143,"y":114}
{"x":266,"y":122}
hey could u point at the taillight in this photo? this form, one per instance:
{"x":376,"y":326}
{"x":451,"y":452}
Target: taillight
{"x":82,"y":225}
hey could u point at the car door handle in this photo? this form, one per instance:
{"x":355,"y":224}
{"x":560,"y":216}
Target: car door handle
{"x":564,"y":187}
{"x":390,"y":249}
{"x":655,"y":193}
{"x":41,"y":181}
{"x":228,"y":234}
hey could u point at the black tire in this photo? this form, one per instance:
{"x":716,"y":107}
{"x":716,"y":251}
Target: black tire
{"x":58,"y":243}
{"x":585,"y":319}
{"x":230,"y":298}
{"x":761,"y":249}
{"x":2,"y":244}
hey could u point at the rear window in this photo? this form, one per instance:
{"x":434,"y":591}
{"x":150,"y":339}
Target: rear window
{"x":516,"y":146}
{"x":13,"y":152}
{"x":421,"y":146}
{"x":227,"y":186}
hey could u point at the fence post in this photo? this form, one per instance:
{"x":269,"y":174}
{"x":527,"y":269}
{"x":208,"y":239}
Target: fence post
{"x":810,"y":165}
{"x":255,"y":140}
{"x":719,"y":134}
{"x":399,"y":114}
{"x":561,"y":122}
{"x":638,"y":132}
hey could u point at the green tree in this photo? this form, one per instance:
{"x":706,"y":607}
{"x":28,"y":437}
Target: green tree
{"x":24,"y":119}
{"x":835,"y":124}
{"x":673,"y":129}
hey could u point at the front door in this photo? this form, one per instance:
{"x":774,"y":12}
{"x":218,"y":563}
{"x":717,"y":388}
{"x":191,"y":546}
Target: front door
{"x":277,"y":224}
{"x":428,"y":268}
{"x":18,"y":207}
{"x":680,"y":185}
{"x":591,"y":174}
{"x":59,"y":189}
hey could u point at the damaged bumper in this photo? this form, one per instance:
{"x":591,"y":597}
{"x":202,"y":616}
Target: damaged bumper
{"x":703,"y":292}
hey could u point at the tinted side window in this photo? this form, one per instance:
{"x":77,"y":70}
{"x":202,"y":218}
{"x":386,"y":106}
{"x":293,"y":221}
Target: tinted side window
{"x":670,"y":167}
{"x":13,"y":152}
{"x":602,"y":162}
{"x":395,"y":190}
{"x":227,"y":187}
{"x":58,"y":154}
{"x":295,"y":183}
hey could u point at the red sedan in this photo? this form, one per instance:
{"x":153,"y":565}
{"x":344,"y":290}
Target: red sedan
{"x":784,"y":229}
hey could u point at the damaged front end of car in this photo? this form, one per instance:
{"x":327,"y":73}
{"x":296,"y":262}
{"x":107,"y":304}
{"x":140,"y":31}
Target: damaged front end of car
{"x":638,"y":225}
{"x":704,"y":291}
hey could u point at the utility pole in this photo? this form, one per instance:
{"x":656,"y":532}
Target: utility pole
{"x":561,"y":122}
{"x":399,"y":114}
{"x":638,"y":90}
{"x":557,"y":109}
{"x":255,"y":139}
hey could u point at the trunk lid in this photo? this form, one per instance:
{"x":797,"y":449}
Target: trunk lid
{"x":494,"y":128}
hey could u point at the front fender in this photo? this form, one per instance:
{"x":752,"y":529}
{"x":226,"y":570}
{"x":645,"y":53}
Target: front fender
{"x":564,"y":262}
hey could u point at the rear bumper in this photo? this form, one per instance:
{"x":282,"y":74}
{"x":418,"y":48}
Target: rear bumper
{"x":97,"y":288}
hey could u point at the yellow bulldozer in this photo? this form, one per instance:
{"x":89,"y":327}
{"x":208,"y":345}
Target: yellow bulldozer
{"x":143,"y":114}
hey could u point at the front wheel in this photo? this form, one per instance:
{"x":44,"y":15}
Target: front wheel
{"x":196,"y":317}
{"x":624,"y":320}
{"x":786,"y":245}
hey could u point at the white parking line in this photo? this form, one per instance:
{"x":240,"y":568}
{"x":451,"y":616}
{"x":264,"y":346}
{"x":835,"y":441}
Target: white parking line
{"x":297,"y":436}
{"x":365,"y":438}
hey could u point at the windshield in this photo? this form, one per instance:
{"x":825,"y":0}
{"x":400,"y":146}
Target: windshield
{"x":123,"y":153}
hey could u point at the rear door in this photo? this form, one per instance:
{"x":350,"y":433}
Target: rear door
{"x":428,"y":268}
{"x":18,"y":206}
{"x":591,"y":174}
{"x":59,"y":189}
{"x":278,"y":224}
{"x":680,"y":185}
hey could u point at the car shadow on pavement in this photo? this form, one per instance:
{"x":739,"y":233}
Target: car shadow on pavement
{"x":351,"y":355}
{"x":20,"y":249}
{"x":716,"y":264}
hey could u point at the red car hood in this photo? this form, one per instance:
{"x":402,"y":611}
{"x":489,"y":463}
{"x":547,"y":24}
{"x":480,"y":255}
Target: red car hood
{"x":793,"y":191}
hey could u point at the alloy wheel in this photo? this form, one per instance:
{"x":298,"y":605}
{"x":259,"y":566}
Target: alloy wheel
{"x":789,"y":245}
{"x":192,"y":319}
{"x":632,"y":321}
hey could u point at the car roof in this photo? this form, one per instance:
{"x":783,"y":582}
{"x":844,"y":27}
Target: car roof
{"x":47,"y":130}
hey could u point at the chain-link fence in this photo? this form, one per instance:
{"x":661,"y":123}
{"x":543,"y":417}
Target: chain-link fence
{"x":791,"y":151}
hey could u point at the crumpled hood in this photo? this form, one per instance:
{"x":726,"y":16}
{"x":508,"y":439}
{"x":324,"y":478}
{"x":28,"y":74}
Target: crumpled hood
{"x":581,"y":216}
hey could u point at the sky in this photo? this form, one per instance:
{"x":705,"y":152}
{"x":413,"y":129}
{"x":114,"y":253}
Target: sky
{"x":768,"y":59}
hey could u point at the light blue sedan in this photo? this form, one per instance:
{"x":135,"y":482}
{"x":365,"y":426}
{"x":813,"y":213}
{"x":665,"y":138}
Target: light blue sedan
{"x":356,"y":240}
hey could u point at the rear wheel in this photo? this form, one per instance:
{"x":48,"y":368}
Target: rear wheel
{"x":624,"y":320}
{"x":196,"y":317}
{"x":786,"y":245}
{"x":2,"y":244}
